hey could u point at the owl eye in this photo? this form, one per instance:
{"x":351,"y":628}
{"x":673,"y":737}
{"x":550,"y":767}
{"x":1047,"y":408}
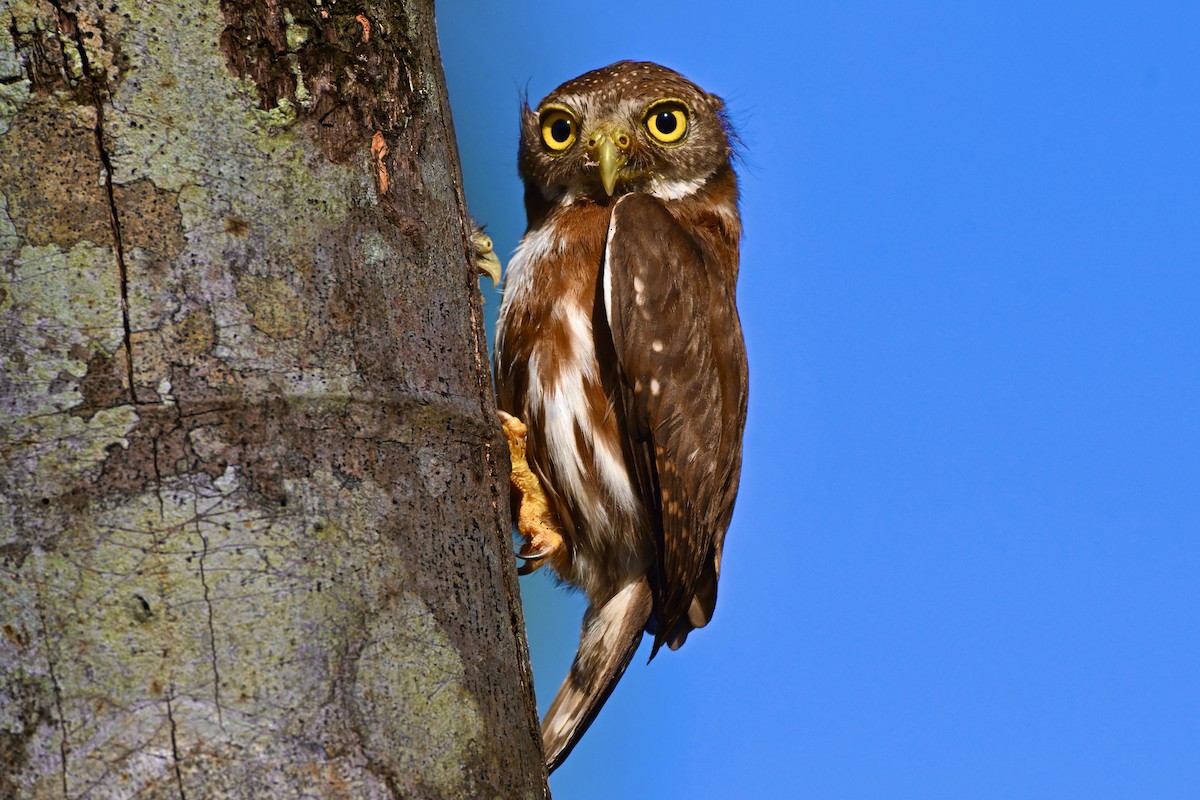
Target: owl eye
{"x":558,"y":129}
{"x":667,"y":121}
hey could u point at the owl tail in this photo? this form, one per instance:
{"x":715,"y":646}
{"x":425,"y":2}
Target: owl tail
{"x":609,"y":639}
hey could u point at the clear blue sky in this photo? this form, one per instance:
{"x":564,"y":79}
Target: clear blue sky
{"x":965,"y":561}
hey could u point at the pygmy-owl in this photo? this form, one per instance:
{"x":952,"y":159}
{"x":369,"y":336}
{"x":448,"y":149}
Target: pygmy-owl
{"x":619,"y":346}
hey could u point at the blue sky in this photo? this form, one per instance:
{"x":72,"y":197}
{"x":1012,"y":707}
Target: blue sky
{"x":965,"y":560}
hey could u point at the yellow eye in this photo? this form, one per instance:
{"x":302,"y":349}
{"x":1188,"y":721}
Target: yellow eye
{"x":558,"y":129}
{"x":667,"y":121}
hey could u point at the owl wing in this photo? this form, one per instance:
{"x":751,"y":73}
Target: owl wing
{"x":682,"y":392}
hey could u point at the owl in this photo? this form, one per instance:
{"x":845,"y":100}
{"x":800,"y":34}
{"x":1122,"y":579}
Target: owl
{"x":620,"y":350}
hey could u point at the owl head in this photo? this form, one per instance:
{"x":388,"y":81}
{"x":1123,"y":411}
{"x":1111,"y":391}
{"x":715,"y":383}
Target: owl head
{"x":633,"y":126}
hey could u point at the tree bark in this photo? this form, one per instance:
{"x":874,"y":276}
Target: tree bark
{"x":254,"y":534}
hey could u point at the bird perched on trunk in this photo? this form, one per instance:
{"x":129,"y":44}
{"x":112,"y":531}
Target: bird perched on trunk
{"x":619,"y":347}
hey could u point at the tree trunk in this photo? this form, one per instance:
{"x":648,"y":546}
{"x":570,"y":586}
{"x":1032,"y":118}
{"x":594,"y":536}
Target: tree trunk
{"x":254,"y":536}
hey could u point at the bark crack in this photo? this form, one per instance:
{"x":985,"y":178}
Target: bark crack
{"x":175,"y":748}
{"x":58,"y":708}
{"x":212,"y":630}
{"x":158,"y":481}
{"x":348,"y":679}
{"x":69,"y":26}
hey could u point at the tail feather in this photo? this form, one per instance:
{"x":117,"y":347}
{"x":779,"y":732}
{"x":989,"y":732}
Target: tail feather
{"x":609,"y":639}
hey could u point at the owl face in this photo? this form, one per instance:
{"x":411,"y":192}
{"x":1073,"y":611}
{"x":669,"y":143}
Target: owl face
{"x":628,"y":127}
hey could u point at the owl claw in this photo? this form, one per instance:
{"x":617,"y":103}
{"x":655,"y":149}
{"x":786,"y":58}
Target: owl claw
{"x":536,"y":520}
{"x":533,"y":557}
{"x":529,"y":553}
{"x":529,"y":567}
{"x":486,"y":261}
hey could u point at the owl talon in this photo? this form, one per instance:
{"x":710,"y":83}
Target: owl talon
{"x":533,"y":557}
{"x":535,"y":519}
{"x":529,"y":567}
{"x":486,"y":260}
{"x":527,"y":553}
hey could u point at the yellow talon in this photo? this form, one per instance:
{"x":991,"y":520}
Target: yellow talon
{"x":486,"y":260}
{"x":536,"y":520}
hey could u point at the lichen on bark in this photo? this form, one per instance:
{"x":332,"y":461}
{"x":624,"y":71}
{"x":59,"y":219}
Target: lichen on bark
{"x":251,"y":527}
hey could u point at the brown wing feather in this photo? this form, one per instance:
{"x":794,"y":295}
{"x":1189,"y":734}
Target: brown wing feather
{"x":682,"y":391}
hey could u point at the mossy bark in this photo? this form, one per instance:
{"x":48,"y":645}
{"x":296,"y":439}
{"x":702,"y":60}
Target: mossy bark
{"x":254,"y":534}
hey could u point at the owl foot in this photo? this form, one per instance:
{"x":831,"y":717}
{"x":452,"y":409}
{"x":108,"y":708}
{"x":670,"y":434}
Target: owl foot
{"x":536,"y":521}
{"x":486,"y":260}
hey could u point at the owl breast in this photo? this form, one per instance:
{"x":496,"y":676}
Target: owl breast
{"x":552,"y":380}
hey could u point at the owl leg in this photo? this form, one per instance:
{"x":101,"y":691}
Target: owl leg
{"x":536,"y":520}
{"x":486,"y":260}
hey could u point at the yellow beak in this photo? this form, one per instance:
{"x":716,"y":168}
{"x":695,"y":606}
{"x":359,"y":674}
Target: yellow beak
{"x":609,"y":154}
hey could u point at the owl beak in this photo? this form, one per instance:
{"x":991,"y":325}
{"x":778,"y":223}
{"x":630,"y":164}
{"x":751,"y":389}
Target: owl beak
{"x":608,"y":150}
